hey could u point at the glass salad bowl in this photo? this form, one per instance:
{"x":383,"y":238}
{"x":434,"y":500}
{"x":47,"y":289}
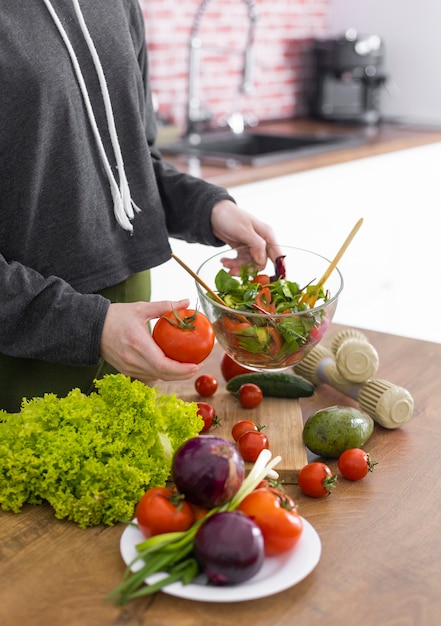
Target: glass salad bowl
{"x":268,"y":318}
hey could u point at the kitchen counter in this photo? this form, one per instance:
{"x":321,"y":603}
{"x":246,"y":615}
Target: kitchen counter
{"x":381,"y":139}
{"x":380,"y":537}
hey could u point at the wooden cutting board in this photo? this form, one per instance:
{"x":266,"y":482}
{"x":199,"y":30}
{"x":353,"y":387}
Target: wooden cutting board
{"x":281,"y":417}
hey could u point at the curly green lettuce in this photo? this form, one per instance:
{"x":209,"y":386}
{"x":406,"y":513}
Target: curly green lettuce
{"x":91,"y":457}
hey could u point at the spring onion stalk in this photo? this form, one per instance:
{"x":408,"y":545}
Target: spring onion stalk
{"x":171,"y":553}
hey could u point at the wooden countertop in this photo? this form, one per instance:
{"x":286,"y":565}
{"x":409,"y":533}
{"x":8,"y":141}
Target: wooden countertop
{"x":381,"y":546}
{"x":380,"y":139}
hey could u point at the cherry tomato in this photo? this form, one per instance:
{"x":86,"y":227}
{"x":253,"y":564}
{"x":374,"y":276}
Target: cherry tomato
{"x":186,"y":335}
{"x":250,"y":395}
{"x":163,"y":510}
{"x":251,"y":444}
{"x":230,"y":368}
{"x":277,"y":518}
{"x":208,"y":414}
{"x":206,"y":385}
{"x":241,"y":427}
{"x":261,"y":279}
{"x":354,"y":464}
{"x":316,"y":479}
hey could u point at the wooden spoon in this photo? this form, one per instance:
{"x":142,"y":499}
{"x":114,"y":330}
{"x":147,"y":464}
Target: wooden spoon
{"x":199,"y":280}
{"x":311,"y":298}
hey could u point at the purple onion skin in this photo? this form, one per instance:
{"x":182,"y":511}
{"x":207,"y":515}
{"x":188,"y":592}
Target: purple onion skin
{"x":208,"y":470}
{"x":229,"y":548}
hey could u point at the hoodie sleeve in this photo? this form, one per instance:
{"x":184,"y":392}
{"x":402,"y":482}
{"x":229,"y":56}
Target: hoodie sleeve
{"x":39,"y":318}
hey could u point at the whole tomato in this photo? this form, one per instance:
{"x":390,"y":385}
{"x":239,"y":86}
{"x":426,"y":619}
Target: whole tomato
{"x":251,"y":444}
{"x":354,"y":464}
{"x":230,"y":368}
{"x":185,"y":335}
{"x":163,"y":510}
{"x":206,"y":385}
{"x":277,"y":518}
{"x":241,"y":427}
{"x":250,"y":395}
{"x":316,"y":479}
{"x":208,"y":414}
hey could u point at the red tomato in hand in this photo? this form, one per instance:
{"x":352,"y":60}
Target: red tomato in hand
{"x":186,"y":335}
{"x":316,"y":479}
{"x":206,"y":385}
{"x":230,"y":368}
{"x":250,"y":395}
{"x":241,"y":427}
{"x":162,"y":510}
{"x":251,"y":444}
{"x":276,"y":517}
{"x":208,"y":414}
{"x":354,"y":464}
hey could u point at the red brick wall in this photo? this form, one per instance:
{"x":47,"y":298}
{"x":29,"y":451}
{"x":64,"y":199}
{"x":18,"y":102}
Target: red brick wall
{"x":284,"y":30}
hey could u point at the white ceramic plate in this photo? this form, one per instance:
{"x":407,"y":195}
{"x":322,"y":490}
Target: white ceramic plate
{"x":277,"y":573}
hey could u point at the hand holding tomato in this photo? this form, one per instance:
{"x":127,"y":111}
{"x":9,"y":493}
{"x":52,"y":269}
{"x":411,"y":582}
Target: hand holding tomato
{"x":185,"y":335}
{"x":128,"y":346}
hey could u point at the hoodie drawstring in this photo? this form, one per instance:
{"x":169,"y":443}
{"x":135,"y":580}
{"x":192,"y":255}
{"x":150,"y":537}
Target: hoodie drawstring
{"x":123,"y":205}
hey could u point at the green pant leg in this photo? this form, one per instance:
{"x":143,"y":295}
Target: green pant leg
{"x":28,"y":378}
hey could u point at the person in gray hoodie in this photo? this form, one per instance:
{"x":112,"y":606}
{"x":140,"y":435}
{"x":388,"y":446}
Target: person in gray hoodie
{"x":87,"y":204}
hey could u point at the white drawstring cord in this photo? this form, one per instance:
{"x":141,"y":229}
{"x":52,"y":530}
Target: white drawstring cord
{"x":123,"y":205}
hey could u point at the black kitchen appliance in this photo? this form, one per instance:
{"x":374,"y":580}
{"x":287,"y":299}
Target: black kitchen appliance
{"x":348,"y":78}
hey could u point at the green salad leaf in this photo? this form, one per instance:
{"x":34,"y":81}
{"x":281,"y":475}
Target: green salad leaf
{"x":91,"y":457}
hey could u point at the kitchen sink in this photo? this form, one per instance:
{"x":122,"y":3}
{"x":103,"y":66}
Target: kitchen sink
{"x":255,"y":148}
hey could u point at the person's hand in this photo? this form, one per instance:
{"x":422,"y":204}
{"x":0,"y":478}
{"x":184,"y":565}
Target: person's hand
{"x":127,"y":344}
{"x":238,"y":228}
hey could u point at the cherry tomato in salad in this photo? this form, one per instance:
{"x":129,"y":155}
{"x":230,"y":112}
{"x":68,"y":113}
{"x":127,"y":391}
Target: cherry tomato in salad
{"x":241,"y":427}
{"x":163,"y":510}
{"x":277,"y":518}
{"x":230,"y":368}
{"x":251,"y":444}
{"x":186,"y":335}
{"x":250,"y":395}
{"x":261,"y":279}
{"x":316,"y":479}
{"x":206,"y":385}
{"x":354,"y":464}
{"x":208,"y":414}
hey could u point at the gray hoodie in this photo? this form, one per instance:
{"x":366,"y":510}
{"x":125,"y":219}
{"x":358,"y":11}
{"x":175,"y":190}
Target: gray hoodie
{"x":59,"y":239}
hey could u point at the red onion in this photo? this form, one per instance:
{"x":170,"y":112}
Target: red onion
{"x":229,"y":548}
{"x":208,"y":470}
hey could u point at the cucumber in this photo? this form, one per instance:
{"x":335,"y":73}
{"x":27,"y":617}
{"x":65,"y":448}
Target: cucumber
{"x":274,"y":384}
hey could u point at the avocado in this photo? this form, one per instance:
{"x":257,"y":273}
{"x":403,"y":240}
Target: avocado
{"x":331,"y":431}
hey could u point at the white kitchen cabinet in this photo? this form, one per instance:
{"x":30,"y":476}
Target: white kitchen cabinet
{"x":391,"y":269}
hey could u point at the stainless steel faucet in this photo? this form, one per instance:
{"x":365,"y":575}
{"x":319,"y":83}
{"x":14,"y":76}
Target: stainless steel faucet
{"x":197,"y":116}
